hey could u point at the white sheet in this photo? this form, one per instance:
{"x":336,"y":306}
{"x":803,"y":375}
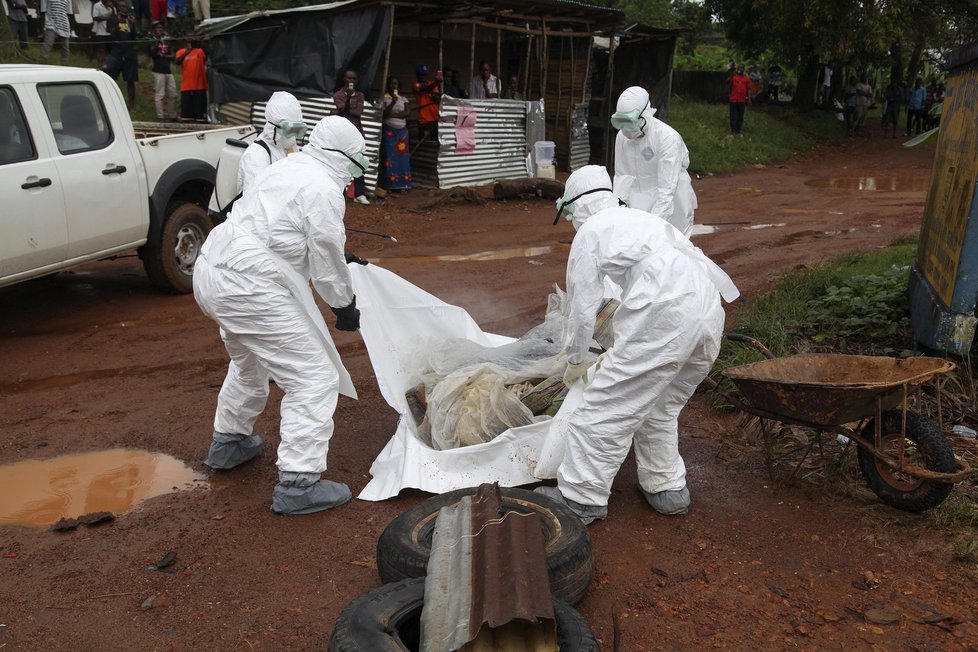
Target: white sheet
{"x":395,"y":315}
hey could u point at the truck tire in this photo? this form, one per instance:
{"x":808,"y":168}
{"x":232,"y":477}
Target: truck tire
{"x":404,"y":546}
{"x":927,"y":446}
{"x":170,"y":262}
{"x":388,"y":619}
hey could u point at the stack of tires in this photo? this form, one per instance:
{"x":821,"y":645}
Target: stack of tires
{"x":389,"y":617}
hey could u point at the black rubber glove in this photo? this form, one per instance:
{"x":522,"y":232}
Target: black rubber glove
{"x":353,"y":258}
{"x":347,"y":319}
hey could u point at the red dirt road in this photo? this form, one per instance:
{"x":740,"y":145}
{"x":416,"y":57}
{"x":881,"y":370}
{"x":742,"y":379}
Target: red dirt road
{"x":95,"y":359}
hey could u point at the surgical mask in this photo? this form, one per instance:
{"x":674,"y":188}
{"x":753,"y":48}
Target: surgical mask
{"x":631,"y":123}
{"x":290,"y":129}
{"x":358,"y":162}
{"x":565,"y":205}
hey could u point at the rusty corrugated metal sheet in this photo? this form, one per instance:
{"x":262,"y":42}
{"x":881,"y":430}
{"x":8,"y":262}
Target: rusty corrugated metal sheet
{"x":487,"y":568}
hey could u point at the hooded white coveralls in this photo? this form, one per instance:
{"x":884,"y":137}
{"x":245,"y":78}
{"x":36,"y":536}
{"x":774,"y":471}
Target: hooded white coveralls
{"x":252,"y":278}
{"x":281,"y":106}
{"x":667,"y":336}
{"x":650,"y":167}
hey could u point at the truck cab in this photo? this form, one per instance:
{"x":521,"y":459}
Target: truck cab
{"x":78,"y":186}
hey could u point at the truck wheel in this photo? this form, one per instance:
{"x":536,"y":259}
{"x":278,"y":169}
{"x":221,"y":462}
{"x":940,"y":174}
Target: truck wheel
{"x":404,"y":546}
{"x":388,"y":619}
{"x":925,"y":446}
{"x":170,"y":262}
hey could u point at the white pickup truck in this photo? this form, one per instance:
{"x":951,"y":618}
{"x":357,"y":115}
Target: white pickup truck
{"x":77,"y":185}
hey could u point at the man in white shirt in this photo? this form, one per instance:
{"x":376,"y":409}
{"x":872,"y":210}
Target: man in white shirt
{"x":485,"y":86}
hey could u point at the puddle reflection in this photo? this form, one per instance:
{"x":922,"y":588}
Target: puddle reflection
{"x":497,"y":254}
{"x":37,"y":493}
{"x":890,"y":184}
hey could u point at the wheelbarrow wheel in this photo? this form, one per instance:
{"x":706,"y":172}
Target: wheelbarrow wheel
{"x":926,"y":446}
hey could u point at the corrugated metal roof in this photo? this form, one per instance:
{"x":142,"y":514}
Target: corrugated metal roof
{"x":315,"y":109}
{"x":487,"y":568}
{"x":213,"y":26}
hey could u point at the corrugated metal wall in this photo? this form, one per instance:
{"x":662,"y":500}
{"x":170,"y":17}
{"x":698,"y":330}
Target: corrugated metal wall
{"x":580,"y":145}
{"x":315,"y":109}
{"x":500,"y":146}
{"x":500,"y":140}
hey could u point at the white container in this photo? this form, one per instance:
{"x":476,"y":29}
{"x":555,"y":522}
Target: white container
{"x":543,"y":153}
{"x":545,"y":171}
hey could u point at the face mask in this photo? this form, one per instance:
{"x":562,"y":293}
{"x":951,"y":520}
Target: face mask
{"x":565,"y":205}
{"x":291,"y":129}
{"x":630,"y":123}
{"x":358,"y":163}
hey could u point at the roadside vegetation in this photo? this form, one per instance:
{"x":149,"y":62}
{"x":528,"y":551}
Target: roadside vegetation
{"x":771,"y":134}
{"x":858,"y":305}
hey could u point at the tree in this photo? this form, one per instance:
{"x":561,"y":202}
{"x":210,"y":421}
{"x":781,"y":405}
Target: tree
{"x":894,"y":34}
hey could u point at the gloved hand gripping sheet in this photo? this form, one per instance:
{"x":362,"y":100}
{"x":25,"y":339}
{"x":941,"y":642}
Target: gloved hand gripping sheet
{"x":413,"y":337}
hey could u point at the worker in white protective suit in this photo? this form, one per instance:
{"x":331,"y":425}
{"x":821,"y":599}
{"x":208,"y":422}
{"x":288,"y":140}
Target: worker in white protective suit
{"x":650,"y":162}
{"x":667,"y":334}
{"x":284,"y":128}
{"x":252,"y":278}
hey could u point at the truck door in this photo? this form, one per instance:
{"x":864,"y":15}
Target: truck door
{"x":33,"y":227}
{"x":104,"y":208}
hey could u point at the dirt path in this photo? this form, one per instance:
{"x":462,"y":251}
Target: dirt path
{"x":96,"y":359}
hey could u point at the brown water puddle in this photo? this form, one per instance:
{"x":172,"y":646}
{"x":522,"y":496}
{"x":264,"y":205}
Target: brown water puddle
{"x":37,"y":493}
{"x":497,"y":254}
{"x":891,"y":184}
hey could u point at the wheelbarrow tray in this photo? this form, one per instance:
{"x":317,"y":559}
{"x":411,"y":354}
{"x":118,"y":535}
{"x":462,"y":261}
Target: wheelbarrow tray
{"x":829,"y":389}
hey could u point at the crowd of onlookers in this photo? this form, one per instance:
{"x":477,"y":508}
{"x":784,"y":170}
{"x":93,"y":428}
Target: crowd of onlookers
{"x":852,"y":99}
{"x":426,"y":93}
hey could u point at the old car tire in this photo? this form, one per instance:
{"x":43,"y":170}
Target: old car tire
{"x":404,"y":546}
{"x":904,"y":492}
{"x":388,"y":619}
{"x":170,"y":262}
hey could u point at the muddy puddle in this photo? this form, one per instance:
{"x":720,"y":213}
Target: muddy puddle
{"x":496,"y":254}
{"x":37,"y":493}
{"x":883,"y":183}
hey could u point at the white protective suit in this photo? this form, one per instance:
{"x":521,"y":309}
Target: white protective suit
{"x":281,"y":106}
{"x":252,"y":278}
{"x":650,"y":166}
{"x":667,"y":336}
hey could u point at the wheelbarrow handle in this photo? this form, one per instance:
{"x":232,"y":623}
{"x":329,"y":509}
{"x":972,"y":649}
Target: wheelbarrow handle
{"x":740,"y":337}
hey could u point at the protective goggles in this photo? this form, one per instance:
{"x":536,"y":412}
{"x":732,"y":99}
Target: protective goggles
{"x":358,"y":162}
{"x":563,"y":204}
{"x":628,"y":120}
{"x":290,"y":129}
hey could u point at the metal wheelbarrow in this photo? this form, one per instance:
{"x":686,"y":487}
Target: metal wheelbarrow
{"x":904,"y":456}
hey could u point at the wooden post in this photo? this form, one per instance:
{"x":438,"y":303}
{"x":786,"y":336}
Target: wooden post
{"x":560,"y":84}
{"x":472,"y":55}
{"x":544,"y":55}
{"x":587,"y":66}
{"x":607,"y":102}
{"x":573,"y":74}
{"x":526,"y":68}
{"x":499,"y":60}
{"x":441,"y":49}
{"x":387,"y":54}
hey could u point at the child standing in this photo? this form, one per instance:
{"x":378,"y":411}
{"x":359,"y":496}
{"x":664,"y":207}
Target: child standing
{"x":163,"y":82}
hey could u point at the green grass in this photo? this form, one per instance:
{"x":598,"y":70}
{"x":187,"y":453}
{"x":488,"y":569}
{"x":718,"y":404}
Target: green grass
{"x":779,"y":317}
{"x":771,"y":134}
